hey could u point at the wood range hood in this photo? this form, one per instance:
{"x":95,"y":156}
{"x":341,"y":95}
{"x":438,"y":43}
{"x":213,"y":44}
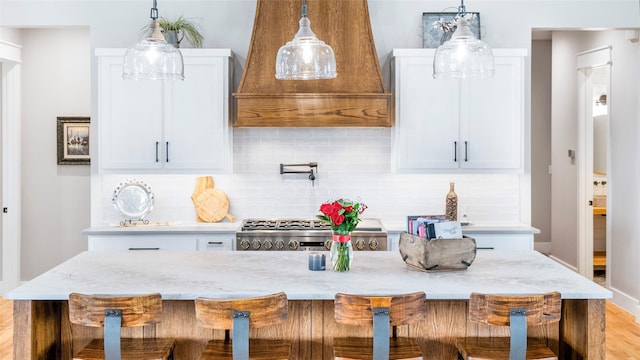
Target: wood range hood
{"x":357,"y":97}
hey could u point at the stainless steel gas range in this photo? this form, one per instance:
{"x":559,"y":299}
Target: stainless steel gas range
{"x":305,"y":234}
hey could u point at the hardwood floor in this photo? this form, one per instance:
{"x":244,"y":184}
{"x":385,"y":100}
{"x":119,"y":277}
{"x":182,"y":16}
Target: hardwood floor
{"x":6,"y":329}
{"x":622,"y":333}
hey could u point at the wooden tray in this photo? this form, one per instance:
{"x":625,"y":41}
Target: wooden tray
{"x":437,"y":254}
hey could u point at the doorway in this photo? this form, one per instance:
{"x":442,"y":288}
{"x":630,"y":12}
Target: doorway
{"x":594,"y":183}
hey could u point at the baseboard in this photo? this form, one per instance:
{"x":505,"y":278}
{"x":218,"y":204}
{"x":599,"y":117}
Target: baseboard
{"x":543,"y":247}
{"x":626,"y":302}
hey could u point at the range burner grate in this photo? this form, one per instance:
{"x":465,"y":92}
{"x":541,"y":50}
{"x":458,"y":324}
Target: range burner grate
{"x":284,"y":224}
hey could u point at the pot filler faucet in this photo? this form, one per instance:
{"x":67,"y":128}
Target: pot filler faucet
{"x":311,"y":165}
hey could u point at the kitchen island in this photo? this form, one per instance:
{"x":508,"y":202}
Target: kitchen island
{"x":42,"y":329}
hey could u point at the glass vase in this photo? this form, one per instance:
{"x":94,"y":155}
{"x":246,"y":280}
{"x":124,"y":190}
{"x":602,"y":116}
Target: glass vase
{"x":341,"y":252}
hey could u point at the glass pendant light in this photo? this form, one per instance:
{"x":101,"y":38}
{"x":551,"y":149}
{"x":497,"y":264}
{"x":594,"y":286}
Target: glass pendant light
{"x":305,"y":57}
{"x":463,"y":56}
{"x":153,"y":58}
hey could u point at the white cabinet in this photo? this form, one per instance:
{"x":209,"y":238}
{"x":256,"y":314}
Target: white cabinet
{"x":217,"y":242}
{"x":213,"y":241}
{"x":458,"y":124}
{"x":170,"y":126}
{"x":496,"y":241}
{"x":142,"y":242}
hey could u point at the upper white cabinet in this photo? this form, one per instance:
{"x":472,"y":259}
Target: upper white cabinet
{"x":167,"y":126}
{"x":458,"y":124}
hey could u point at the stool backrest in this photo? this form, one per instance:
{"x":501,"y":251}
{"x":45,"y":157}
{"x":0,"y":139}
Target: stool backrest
{"x":379,"y":312}
{"x":112,"y":313}
{"x":517,"y":312}
{"x":138,"y":310}
{"x":240,"y":315}
{"x":358,"y":309}
{"x":541,"y":309}
{"x":263,"y":311}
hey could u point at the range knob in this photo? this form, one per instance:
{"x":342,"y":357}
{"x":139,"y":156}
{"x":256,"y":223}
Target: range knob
{"x":360,"y":244}
{"x":255,"y":244}
{"x":279,"y":244}
{"x":373,"y":244}
{"x":327,"y":244}
{"x":268,"y":244}
{"x":293,"y":244}
{"x":244,"y":244}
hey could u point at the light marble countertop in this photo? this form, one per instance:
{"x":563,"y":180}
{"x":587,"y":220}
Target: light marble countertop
{"x":160,"y":228}
{"x":493,"y":227}
{"x":163,"y":228}
{"x":187,"y":275}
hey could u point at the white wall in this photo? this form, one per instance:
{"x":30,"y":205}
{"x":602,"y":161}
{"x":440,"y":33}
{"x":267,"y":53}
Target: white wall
{"x":55,"y":198}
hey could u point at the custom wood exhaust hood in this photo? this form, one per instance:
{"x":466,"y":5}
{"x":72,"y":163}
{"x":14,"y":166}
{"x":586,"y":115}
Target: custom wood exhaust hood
{"x":357,"y":97}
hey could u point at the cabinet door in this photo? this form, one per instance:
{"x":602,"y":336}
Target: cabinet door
{"x":130,"y":115}
{"x":426,"y":132}
{"x":196,"y":120}
{"x":492,"y":115}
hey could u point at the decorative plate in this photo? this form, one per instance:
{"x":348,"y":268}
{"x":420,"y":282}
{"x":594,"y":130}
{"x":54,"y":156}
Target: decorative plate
{"x":133,"y":199}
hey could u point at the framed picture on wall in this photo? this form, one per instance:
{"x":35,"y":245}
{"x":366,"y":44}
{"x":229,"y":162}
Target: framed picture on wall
{"x":438,"y":27}
{"x":73,"y":140}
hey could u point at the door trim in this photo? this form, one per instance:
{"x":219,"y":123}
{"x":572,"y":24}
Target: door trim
{"x":586,"y":61}
{"x":10,"y":64}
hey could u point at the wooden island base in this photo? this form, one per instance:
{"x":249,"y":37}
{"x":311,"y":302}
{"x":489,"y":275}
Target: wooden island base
{"x":42,"y":329}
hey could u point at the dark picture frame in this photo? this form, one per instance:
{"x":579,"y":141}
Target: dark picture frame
{"x":434,"y":35}
{"x":74,"y":135}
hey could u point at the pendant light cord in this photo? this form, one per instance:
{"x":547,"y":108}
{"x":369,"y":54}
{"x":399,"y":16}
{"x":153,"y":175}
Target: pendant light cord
{"x":154,"y":10}
{"x":462,"y":10}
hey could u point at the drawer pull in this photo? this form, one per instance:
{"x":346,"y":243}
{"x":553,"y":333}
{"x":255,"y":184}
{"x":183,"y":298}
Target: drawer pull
{"x":144,"y":248}
{"x":486,"y":248}
{"x":214,"y":243}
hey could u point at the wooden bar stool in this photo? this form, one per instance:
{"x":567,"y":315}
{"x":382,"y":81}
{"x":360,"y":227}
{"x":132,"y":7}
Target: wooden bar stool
{"x":379,"y":312}
{"x":240,"y":315}
{"x":517,"y":312}
{"x":113,"y":312}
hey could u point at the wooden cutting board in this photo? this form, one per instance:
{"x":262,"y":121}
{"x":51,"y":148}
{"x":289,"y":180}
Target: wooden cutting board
{"x":212,"y":205}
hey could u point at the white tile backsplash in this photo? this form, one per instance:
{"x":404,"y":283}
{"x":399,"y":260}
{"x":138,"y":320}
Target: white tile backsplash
{"x":352,"y":162}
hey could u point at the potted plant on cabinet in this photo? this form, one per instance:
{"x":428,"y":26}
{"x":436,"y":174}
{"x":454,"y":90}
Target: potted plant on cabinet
{"x":177,"y":30}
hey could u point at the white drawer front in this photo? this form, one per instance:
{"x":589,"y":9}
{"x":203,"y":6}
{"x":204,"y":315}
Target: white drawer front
{"x":142,"y":242}
{"x":515,"y":242}
{"x":216,"y":242}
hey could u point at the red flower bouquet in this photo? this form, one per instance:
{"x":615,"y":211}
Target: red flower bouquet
{"x":343,"y":216}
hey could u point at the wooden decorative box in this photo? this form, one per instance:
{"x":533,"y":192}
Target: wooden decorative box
{"x":437,"y":254}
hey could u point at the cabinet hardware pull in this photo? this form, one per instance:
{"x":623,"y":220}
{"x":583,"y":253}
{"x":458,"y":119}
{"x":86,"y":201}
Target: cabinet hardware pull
{"x":144,"y":248}
{"x":486,"y":248}
{"x":157,"y":151}
{"x":465,"y":152}
{"x":214,"y":243}
{"x":455,"y":151}
{"x":167,"y":150}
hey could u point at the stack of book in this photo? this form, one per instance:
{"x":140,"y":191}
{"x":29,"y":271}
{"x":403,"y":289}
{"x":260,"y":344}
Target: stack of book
{"x":433,"y":227}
